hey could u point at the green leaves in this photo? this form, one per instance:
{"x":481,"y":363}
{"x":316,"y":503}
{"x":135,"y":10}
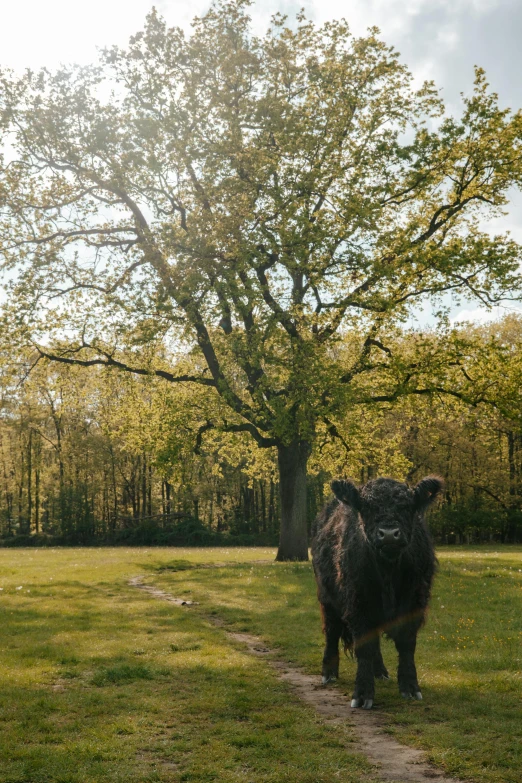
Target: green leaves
{"x":252,"y":199}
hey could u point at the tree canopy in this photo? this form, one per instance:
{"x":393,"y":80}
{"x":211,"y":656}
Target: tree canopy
{"x":246,"y":202}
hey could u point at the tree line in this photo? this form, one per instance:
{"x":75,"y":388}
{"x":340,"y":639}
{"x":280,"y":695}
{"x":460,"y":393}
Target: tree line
{"x":94,"y":456}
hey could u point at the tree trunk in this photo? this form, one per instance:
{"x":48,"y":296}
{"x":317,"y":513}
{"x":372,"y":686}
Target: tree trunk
{"x":21,"y":493}
{"x":144,"y":486}
{"x":168,"y":504}
{"x":293,"y":540}
{"x":29,"y":482}
{"x":37,"y":500}
{"x":271,"y":506}
{"x":512,"y":469}
{"x":149,"y":492}
{"x":114,"y":490}
{"x":263,"y":504}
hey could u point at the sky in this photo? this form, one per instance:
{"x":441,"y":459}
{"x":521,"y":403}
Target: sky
{"x":438,"y":39}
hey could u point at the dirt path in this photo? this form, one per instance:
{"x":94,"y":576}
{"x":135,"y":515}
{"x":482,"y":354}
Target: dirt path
{"x":137,"y":581}
{"x":394,"y":762}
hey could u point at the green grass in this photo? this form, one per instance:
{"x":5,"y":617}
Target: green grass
{"x":102,"y":682}
{"x":469,"y":655}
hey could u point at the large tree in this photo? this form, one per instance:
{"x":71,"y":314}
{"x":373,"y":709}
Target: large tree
{"x":249,"y":200}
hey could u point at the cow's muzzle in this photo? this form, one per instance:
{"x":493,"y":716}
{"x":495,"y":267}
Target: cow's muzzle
{"x":390,"y":542}
{"x":387,"y":536}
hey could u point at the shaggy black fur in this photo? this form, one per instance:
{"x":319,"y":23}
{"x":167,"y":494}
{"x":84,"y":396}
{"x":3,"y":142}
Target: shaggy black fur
{"x":374,"y":564}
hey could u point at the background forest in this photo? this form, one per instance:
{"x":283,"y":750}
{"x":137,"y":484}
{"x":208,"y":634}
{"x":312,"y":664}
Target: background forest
{"x":92,"y":456}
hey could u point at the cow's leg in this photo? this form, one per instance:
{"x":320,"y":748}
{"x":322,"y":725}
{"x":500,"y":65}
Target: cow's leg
{"x":405,"y":641}
{"x":332,"y":628}
{"x":364,"y":692}
{"x":380,"y":672}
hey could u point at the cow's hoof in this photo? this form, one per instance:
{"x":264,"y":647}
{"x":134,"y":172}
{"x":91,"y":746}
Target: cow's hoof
{"x":366,"y":704}
{"x":325,"y":680}
{"x":412,"y":695}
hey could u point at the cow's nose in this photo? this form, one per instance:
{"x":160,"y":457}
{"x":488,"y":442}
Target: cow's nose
{"x":389,"y":535}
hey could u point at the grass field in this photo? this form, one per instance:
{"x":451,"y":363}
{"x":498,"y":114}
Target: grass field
{"x":101,"y":682}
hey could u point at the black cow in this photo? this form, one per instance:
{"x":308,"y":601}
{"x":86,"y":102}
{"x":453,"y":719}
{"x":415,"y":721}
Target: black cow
{"x":374,"y":564}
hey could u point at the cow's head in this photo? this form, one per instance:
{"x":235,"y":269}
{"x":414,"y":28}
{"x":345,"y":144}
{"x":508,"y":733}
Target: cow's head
{"x":388,"y":509}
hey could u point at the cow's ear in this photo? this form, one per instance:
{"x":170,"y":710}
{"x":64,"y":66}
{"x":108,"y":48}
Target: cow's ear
{"x":347,"y":493}
{"x":426,"y":491}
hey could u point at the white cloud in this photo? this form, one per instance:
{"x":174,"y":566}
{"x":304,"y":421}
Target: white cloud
{"x":35,"y":33}
{"x":480,"y":315}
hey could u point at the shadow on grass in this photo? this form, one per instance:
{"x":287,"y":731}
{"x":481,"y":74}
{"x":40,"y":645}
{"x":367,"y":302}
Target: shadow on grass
{"x":469,"y":656}
{"x":213,"y":719}
{"x":109,"y":685}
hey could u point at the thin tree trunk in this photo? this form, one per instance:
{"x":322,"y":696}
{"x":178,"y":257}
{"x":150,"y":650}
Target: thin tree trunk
{"x":57,"y":421}
{"x":37,"y":500}
{"x":21,"y":493}
{"x":114,"y":489}
{"x":139,"y":482}
{"x":29,"y":481}
{"x":37,"y":469}
{"x":7,"y":489}
{"x":512,"y":468}
{"x":134,"y":490}
{"x":271,"y":506}
{"x":263,"y":504}
{"x":168,"y":505}
{"x":149,"y":492}
{"x":293,"y":540}
{"x":511,"y":533}
{"x":144,"y":487}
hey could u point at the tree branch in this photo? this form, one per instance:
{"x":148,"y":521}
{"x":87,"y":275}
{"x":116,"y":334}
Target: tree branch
{"x":261,"y":440}
{"x":109,"y":361}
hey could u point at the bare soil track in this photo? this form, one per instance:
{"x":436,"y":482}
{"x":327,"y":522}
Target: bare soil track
{"x":393,"y":761}
{"x":136,"y":581}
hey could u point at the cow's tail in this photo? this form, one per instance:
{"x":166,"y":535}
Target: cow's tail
{"x":347,"y":640}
